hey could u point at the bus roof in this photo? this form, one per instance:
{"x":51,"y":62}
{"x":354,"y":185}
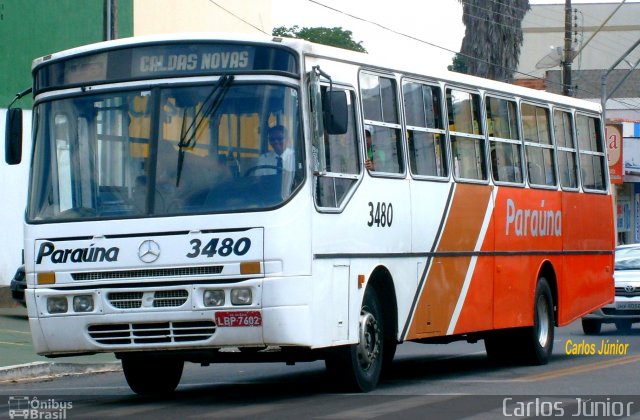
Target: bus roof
{"x":416,"y":66}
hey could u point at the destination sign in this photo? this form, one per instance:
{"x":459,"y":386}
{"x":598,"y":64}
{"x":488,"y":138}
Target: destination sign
{"x":163,"y":60}
{"x":229,"y":58}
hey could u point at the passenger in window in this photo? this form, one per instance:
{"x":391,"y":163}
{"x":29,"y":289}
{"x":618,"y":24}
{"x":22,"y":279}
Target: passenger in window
{"x":280,"y":158}
{"x":374,"y":157}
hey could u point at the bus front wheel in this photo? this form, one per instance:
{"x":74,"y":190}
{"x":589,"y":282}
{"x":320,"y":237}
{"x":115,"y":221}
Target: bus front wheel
{"x":357,"y":368}
{"x":149,"y":375}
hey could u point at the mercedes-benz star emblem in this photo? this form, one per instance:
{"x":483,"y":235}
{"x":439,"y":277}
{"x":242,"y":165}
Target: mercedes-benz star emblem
{"x":149,"y":251}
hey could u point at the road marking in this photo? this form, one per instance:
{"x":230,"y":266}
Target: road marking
{"x":578,"y":369}
{"x":16,"y":332}
{"x":14,"y":344}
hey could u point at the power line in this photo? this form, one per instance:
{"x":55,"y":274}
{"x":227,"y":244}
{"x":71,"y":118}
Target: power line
{"x":515,"y":71}
{"x":239,"y":18}
{"x":420,"y":40}
{"x":383,"y":27}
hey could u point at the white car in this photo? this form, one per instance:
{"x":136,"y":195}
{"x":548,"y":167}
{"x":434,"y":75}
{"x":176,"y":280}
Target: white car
{"x":625,"y":310}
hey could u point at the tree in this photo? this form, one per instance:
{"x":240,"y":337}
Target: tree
{"x":459,"y":64}
{"x":336,"y":37}
{"x":493,"y":37}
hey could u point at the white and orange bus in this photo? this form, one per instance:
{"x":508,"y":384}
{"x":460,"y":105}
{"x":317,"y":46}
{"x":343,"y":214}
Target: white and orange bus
{"x":191,"y":195}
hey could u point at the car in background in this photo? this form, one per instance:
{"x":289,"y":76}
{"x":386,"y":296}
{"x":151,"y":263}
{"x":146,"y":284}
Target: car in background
{"x":18,"y":284}
{"x":625,"y":310}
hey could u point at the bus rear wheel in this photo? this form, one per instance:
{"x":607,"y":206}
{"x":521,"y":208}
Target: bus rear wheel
{"x":538,"y":339}
{"x":529,"y":345}
{"x":150,"y":375}
{"x":357,"y":368}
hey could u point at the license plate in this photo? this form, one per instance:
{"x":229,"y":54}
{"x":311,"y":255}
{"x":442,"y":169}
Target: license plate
{"x":627,"y":305}
{"x":239,"y":318}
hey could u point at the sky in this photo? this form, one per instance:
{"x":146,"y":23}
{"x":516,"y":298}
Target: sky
{"x":438,"y":23}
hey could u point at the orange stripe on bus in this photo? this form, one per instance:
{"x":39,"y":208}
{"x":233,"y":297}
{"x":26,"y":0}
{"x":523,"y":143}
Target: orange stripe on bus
{"x":446,"y":275}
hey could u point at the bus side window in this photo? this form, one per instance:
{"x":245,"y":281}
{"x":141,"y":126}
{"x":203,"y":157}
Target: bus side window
{"x":504,"y":139}
{"x":592,"y":158}
{"x":380,"y":105}
{"x":467,"y":138}
{"x":342,"y":159}
{"x":566,"y":145}
{"x":539,"y":149}
{"x":425,"y":132}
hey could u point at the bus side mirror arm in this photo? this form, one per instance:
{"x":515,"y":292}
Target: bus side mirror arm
{"x":317,"y":122}
{"x":13,"y":132}
{"x":330,"y":115}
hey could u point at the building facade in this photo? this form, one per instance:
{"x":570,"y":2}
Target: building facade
{"x":602,"y":34}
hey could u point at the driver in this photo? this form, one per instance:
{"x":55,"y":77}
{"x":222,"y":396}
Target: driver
{"x":280,"y":157}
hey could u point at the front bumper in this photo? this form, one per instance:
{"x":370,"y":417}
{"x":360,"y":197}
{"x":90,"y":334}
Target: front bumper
{"x":135,"y":319}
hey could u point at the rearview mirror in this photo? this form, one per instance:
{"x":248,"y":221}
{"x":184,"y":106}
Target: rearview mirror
{"x":13,"y":136}
{"x":335,"y":112}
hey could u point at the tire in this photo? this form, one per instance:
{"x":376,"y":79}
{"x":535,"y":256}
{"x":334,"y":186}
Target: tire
{"x":623,"y":325}
{"x":154,"y":376}
{"x":390,"y":347}
{"x":530,"y":345}
{"x":591,"y":326}
{"x":357,"y":368}
{"x":538,"y":339}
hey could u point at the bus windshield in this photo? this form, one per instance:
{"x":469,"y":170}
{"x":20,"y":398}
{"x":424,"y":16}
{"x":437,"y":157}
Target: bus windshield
{"x":178,"y":150}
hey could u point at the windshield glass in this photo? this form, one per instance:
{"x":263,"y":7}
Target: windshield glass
{"x":221,"y":147}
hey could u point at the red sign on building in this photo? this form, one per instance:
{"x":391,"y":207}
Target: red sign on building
{"x":614,"y":156}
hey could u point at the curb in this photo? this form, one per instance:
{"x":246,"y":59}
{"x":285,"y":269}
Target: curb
{"x":39,"y":370}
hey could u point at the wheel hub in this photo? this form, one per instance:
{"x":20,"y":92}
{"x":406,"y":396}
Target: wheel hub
{"x":543,"y":321}
{"x":370,"y":340}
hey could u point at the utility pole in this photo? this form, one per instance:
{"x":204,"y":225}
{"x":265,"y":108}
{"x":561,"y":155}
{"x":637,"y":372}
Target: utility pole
{"x":567,"y":89}
{"x":110,"y":20}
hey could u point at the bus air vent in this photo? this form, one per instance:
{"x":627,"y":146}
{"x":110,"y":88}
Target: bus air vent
{"x":152,"y":332}
{"x":155,"y":299}
{"x":151,"y":273}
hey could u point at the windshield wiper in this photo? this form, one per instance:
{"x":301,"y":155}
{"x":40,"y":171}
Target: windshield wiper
{"x":188,"y":138}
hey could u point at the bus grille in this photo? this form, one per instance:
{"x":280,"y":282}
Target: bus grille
{"x":157,"y":299}
{"x":161,"y":272}
{"x":152,"y":333}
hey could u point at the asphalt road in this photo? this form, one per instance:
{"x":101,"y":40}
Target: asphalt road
{"x":427,"y":381}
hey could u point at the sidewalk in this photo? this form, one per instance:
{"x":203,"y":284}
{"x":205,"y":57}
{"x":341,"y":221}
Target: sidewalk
{"x":19,"y":361}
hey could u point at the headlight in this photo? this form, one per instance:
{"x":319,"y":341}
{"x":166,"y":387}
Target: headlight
{"x":213,"y":298}
{"x":241,"y":296}
{"x":83,"y":303}
{"x":57,"y":304}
